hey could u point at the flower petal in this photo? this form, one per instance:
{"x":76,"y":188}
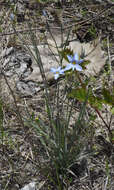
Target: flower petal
{"x":76,"y":57}
{"x":56,"y":76}
{"x":53,"y":70}
{"x":70,"y":58}
{"x":80,"y":61}
{"x":61,"y":72}
{"x":68,"y":67}
{"x":78,"y":67}
{"x":58,"y":69}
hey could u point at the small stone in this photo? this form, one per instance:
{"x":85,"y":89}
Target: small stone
{"x":109,"y":28}
{"x":30,"y":186}
{"x":7,"y":52}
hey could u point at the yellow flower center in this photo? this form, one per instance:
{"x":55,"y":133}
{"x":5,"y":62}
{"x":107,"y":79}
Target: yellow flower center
{"x":36,"y":118}
{"x":74,"y":63}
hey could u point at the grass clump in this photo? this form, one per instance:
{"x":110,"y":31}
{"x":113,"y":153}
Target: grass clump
{"x":65,"y":143}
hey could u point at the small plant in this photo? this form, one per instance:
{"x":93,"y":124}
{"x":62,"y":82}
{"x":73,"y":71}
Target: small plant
{"x":64,"y":133}
{"x":64,"y":143}
{"x":92,"y":32}
{"x":84,"y":12}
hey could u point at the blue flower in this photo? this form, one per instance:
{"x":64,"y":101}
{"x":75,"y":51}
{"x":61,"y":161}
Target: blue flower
{"x":74,"y":63}
{"x":12,"y":16}
{"x":57,"y":72}
{"x":44,"y":13}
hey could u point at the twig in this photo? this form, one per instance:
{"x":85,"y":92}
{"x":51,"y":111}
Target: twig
{"x":20,"y":31}
{"x":81,"y":23}
{"x":106,"y":183}
{"x":99,"y":114}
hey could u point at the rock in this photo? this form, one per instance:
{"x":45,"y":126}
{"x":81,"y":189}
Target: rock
{"x":92,"y":51}
{"x":24,"y":69}
{"x":15,"y":62}
{"x":16,"y":65}
{"x":7,"y":52}
{"x":28,"y":88}
{"x":30,"y":186}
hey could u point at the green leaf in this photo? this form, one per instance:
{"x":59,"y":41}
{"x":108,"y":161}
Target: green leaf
{"x":81,"y":94}
{"x":85,"y":62}
{"x":65,"y":52}
{"x":112,"y":110}
{"x":78,"y":93}
{"x":95,"y":101}
{"x":108,"y":97}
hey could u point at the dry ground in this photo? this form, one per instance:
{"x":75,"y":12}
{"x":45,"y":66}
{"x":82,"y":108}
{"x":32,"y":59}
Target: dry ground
{"x":21,"y":153}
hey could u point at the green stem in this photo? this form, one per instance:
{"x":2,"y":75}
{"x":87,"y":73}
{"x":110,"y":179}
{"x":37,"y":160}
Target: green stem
{"x":80,"y":80}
